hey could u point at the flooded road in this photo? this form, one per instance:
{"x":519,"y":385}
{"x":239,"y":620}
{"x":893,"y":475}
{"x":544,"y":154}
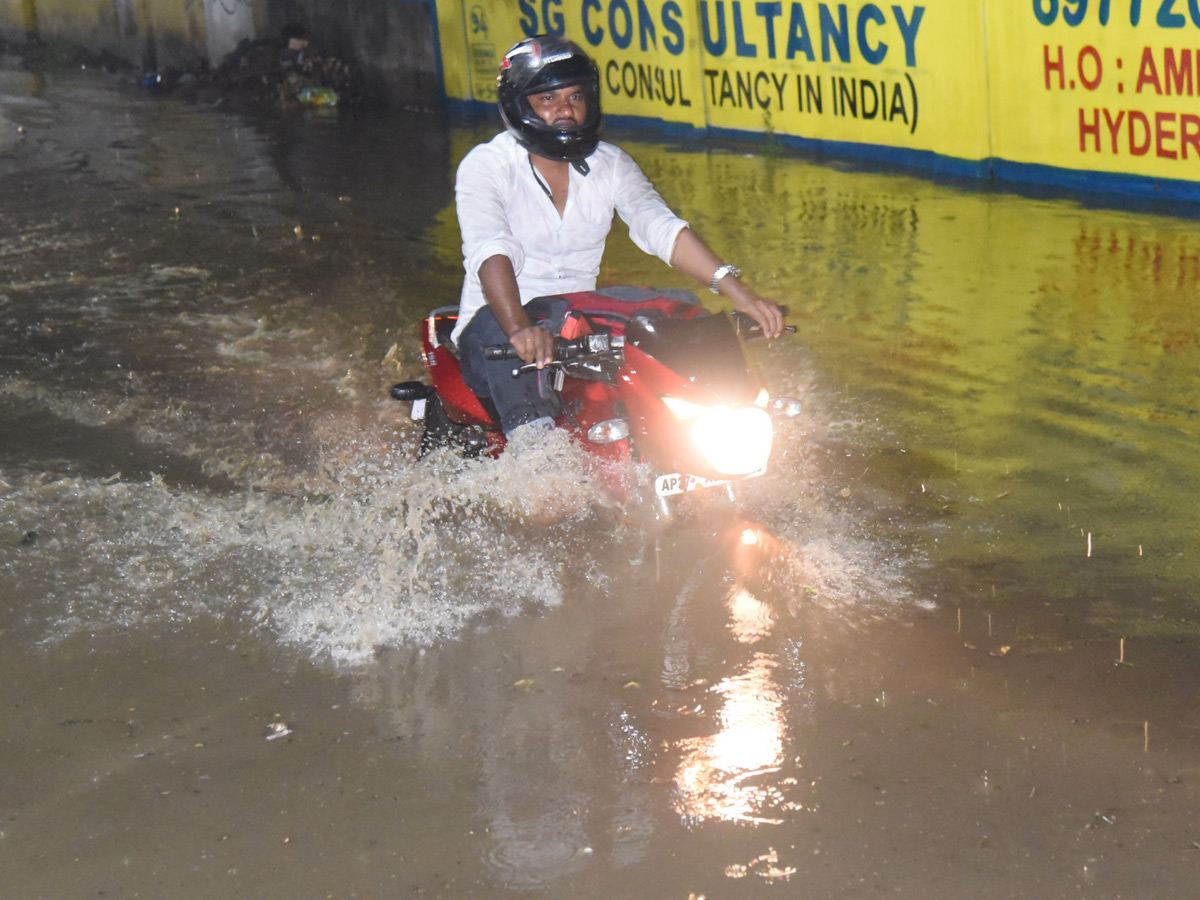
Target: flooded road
{"x":249,"y":646}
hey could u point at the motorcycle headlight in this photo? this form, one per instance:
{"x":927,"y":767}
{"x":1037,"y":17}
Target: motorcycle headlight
{"x":734,"y":441}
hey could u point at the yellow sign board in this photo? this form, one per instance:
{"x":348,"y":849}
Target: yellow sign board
{"x":1105,"y":86}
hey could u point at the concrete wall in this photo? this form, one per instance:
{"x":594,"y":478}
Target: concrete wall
{"x":392,"y":42}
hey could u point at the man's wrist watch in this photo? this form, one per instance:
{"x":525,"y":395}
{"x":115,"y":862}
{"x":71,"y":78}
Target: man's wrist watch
{"x":723,"y":270}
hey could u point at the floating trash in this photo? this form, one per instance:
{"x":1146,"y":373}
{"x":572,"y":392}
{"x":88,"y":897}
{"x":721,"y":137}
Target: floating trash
{"x":317,"y":96}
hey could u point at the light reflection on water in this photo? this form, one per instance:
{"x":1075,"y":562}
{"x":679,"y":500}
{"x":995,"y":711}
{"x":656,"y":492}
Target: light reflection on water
{"x":737,"y":768}
{"x":721,"y":775}
{"x":742,"y":771}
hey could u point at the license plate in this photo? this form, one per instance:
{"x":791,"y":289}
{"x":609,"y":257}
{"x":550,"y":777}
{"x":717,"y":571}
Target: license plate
{"x":418,"y":409}
{"x":676,"y":483}
{"x":668,"y":485}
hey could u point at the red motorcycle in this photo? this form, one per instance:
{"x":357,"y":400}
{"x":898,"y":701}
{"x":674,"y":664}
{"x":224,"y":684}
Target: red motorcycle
{"x":643,"y":375}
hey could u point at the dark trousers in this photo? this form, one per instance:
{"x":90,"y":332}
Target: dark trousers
{"x":517,"y":400}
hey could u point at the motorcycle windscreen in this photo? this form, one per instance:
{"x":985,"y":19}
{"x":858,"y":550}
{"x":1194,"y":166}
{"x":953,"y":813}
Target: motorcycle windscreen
{"x":705,"y":350}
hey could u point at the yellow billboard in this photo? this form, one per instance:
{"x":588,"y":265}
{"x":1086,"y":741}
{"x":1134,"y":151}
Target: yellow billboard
{"x":1105,"y":86}
{"x":858,"y":72}
{"x":1054,"y":90}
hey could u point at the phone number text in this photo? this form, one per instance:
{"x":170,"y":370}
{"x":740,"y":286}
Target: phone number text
{"x":1163,"y":13}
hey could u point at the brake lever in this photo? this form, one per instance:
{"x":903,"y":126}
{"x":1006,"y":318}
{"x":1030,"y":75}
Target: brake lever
{"x":555,"y":369}
{"x":532,"y":367}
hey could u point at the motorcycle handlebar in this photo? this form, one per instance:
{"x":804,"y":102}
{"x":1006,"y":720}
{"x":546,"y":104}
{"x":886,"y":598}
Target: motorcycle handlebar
{"x":602,"y":344}
{"x":564,"y":350}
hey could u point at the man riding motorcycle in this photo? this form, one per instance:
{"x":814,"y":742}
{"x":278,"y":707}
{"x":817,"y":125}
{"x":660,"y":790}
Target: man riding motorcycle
{"x":535,"y":205}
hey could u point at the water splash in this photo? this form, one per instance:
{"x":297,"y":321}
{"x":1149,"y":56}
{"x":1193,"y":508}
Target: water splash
{"x":395,"y":553}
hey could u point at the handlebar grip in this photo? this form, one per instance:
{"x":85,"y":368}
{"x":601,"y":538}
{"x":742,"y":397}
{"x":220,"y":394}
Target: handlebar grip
{"x":500,"y":351}
{"x":745,"y":324}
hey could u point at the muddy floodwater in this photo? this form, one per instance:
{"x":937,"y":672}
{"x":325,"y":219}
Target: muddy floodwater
{"x":250,"y":646}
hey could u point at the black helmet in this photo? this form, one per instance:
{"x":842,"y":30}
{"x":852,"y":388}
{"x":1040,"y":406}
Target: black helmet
{"x":543,"y":63}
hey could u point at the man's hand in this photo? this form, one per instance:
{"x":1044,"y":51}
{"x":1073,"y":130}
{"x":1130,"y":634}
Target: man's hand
{"x":767,"y":314}
{"x":534,"y":345}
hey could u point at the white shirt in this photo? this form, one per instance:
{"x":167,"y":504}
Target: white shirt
{"x":503,"y":210}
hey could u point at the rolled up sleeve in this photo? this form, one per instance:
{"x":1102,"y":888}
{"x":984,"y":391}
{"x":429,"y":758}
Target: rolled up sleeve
{"x":652,"y":224}
{"x":482,"y":217}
